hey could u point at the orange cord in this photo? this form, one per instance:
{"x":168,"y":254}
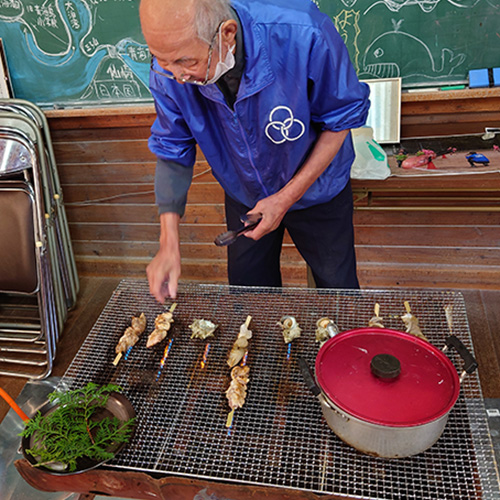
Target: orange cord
{"x":13,"y":405}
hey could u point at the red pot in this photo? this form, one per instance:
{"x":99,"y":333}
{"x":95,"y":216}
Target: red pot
{"x":387,"y":393}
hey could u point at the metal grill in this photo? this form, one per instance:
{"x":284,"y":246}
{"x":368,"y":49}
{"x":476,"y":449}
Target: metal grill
{"x":279,"y":438}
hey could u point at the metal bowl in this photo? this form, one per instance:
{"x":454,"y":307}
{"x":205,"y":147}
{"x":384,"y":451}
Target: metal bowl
{"x":117,"y":406}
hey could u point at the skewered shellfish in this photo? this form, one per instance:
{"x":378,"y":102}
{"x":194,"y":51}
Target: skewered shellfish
{"x":240,"y":346}
{"x":202,"y":328}
{"x":376,"y":321}
{"x":290,"y":327}
{"x":325,"y":330}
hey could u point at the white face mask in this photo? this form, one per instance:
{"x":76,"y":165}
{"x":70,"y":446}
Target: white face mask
{"x":223,"y":66}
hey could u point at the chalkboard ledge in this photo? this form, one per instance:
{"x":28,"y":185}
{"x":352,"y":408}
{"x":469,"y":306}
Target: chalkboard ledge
{"x":445,"y":95}
{"x":423,"y":114}
{"x":105,"y":117}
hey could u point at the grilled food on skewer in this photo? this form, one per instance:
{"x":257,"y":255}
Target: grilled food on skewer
{"x":240,"y":346}
{"x":291,"y":329}
{"x":237,"y":391}
{"x":448,"y":311}
{"x":202,"y":328}
{"x":411,"y":323}
{"x":163,"y":323}
{"x":131,"y":336}
{"x":376,"y":320}
{"x":325,"y":330}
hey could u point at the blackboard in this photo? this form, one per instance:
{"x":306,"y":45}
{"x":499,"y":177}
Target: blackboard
{"x":75,"y":52}
{"x":425,"y":42}
{"x":92,"y":52}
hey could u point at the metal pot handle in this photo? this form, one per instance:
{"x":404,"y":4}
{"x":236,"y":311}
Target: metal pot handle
{"x":470,"y":363}
{"x":313,"y":387}
{"x":308,"y":377}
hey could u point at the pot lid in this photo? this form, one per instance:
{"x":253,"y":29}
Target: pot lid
{"x":387,"y":377}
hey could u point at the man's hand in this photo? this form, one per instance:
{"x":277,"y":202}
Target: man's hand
{"x":166,"y":265}
{"x":274,"y":207}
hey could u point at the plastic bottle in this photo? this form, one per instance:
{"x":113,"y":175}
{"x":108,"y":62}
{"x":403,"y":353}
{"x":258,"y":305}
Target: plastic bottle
{"x":371,"y":159}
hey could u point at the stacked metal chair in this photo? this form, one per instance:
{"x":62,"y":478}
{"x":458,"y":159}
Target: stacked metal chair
{"x":38,"y":276}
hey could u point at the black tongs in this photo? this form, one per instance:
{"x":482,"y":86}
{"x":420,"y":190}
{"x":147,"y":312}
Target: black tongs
{"x":225,"y":239}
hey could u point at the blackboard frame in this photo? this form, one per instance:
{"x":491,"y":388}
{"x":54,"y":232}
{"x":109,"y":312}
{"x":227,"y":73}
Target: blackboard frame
{"x":6,"y":90}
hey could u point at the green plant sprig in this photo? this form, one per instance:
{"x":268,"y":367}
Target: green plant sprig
{"x":70,"y":433}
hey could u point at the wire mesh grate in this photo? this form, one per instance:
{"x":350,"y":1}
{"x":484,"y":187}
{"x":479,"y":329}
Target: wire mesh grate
{"x":279,"y":438}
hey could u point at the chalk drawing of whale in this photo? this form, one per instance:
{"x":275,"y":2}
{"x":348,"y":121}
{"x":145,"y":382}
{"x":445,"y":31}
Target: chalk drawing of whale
{"x":378,"y":60}
{"x":426,"y":5}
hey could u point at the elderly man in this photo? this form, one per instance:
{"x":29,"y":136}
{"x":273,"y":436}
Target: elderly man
{"x":267,"y":90}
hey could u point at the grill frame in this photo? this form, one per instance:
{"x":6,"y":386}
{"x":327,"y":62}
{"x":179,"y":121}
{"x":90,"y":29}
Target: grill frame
{"x":279,"y":438}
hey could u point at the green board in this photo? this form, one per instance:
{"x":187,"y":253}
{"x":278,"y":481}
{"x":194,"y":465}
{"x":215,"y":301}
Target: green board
{"x":92,"y":52}
{"x":425,"y":42}
{"x":75,"y":52}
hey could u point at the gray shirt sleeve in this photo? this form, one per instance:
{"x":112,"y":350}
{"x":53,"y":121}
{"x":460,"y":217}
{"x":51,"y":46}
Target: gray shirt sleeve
{"x":172,"y":181}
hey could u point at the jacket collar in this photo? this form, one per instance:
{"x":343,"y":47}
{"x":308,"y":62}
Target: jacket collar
{"x":257,"y":73}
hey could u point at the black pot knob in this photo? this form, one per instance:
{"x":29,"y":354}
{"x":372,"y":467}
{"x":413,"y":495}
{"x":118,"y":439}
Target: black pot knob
{"x":385,"y":366}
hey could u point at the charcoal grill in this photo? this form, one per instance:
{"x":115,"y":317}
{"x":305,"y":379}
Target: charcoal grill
{"x":279,"y":438}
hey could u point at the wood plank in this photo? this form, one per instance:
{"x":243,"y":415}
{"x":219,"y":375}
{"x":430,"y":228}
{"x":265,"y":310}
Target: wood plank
{"x":202,"y":192}
{"x":482,"y":182}
{"x":371,"y":275}
{"x":206,"y":270}
{"x":388,"y":275}
{"x":213,"y":213}
{"x":406,"y":255}
{"x":200,"y":251}
{"x":107,"y":173}
{"x":137,"y":213}
{"x":434,"y":236}
{"x":455,"y":256}
{"x":103,"y":151}
{"x":97,"y":134}
{"x":125,"y":173}
{"x":490,"y":302}
{"x":424,"y":218}
{"x":483,"y":323}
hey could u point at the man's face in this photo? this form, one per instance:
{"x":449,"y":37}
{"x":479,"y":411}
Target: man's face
{"x":181,"y":53}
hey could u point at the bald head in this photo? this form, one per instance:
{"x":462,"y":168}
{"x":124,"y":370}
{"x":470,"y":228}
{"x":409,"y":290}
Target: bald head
{"x":200,"y":17}
{"x":166,"y":16}
{"x":181,"y":35}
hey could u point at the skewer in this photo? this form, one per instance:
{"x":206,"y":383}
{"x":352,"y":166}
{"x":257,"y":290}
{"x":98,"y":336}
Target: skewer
{"x":205,"y":356}
{"x":411,"y":323}
{"x":448,"y":311}
{"x":164,"y":358}
{"x":130,"y":337}
{"x":230,"y":416}
{"x":117,"y":359}
{"x":229,"y":421}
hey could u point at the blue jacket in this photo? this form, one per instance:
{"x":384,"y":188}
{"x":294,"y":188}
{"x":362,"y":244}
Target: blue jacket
{"x":298,"y":80}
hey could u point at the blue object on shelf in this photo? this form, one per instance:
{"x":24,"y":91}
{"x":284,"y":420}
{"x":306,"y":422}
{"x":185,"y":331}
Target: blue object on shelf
{"x":496,"y":77}
{"x":478,"y":78}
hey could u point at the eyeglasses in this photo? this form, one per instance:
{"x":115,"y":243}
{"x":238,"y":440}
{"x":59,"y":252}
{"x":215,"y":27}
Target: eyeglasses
{"x":168,"y":74}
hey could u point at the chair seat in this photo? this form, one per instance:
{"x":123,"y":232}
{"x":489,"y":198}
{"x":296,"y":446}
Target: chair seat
{"x":18,"y":266}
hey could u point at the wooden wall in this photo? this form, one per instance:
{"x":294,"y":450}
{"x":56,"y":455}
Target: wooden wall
{"x":412,"y":232}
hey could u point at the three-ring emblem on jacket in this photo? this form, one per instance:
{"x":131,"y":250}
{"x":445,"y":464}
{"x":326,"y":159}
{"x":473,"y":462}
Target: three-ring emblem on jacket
{"x":283,"y":126}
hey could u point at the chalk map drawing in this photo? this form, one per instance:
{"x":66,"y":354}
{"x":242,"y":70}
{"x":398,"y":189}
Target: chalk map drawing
{"x":86,"y":52}
{"x":422,"y":41}
{"x":78,"y":51}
